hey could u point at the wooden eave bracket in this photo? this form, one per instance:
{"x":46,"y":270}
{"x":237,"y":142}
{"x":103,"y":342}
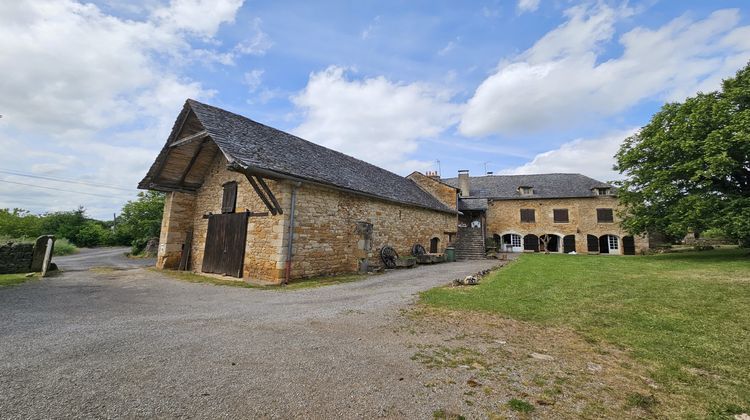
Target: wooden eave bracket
{"x":261,"y":188}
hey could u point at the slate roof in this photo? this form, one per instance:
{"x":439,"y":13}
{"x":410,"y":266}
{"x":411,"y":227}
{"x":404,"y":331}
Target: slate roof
{"x":544,"y":186}
{"x":259,"y":146}
{"x":472,"y":204}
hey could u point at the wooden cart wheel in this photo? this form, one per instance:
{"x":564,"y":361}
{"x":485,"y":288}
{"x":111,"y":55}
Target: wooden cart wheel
{"x":418,"y":250}
{"x":389,"y":256}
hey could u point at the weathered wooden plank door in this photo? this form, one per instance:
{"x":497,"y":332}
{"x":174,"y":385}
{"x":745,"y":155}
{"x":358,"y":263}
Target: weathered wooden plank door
{"x":225,"y":244}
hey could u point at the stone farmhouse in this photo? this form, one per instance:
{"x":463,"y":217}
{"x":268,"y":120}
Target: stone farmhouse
{"x":253,"y":202}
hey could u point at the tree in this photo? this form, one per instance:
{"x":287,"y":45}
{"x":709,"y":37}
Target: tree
{"x":19,"y":223}
{"x":689,"y":167}
{"x":140,"y":220}
{"x":64,"y":224}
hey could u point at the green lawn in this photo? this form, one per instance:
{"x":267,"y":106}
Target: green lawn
{"x":686,"y":316}
{"x":12,"y":279}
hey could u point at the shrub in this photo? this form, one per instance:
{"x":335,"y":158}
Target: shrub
{"x":64,"y":247}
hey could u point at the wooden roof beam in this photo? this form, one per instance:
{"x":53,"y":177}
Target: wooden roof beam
{"x":191,"y":163}
{"x":189,"y":139}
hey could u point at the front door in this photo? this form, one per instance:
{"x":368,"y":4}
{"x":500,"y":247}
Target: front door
{"x":225,"y":244}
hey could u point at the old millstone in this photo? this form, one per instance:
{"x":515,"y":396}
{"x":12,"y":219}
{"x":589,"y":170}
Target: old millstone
{"x":40,"y":248}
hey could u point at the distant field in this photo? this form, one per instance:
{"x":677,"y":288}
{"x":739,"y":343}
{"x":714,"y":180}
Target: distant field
{"x":686,"y":316}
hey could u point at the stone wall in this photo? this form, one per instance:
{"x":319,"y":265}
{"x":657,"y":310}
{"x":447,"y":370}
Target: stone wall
{"x":503,"y":216}
{"x":443,"y":192}
{"x":327,"y":241}
{"x":16,"y":258}
{"x":177,"y":220}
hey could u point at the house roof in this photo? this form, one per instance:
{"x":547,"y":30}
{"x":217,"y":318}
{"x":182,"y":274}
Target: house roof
{"x":472,"y":204}
{"x":555,"y":185}
{"x":259,"y":147}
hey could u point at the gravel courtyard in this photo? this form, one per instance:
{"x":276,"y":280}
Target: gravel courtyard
{"x":132,"y":342}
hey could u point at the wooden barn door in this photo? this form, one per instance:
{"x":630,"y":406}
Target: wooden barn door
{"x":225,"y":244}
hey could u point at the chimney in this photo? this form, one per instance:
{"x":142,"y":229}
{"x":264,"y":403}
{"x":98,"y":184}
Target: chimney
{"x":463,"y":182}
{"x":433,"y":174}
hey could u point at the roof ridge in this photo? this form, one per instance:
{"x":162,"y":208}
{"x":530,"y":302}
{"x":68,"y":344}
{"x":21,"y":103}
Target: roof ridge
{"x":297,"y":137}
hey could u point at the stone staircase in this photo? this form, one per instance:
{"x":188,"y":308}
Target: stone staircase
{"x":469,"y":244}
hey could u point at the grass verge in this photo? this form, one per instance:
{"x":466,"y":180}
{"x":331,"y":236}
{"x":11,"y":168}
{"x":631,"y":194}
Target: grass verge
{"x":685,"y":315}
{"x":13,"y":279}
{"x":294,"y":285}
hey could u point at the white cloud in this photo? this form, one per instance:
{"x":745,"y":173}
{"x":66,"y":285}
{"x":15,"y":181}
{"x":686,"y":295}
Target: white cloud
{"x":528,"y":5}
{"x":373,"y":119}
{"x":258,"y":44}
{"x":367,"y":32}
{"x":591,"y":157}
{"x":200,"y":17}
{"x":97,"y":93}
{"x":253,"y":79}
{"x":562,"y":80}
{"x":448,"y":47}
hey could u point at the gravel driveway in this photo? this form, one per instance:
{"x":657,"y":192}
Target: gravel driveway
{"x":135,"y":343}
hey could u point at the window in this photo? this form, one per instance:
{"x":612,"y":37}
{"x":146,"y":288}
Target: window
{"x":560,"y":215}
{"x":604,"y":216}
{"x":613,"y":242}
{"x":229,"y":199}
{"x":602,"y":191}
{"x":526,"y":190}
{"x":515,"y":240}
{"x":527,"y":216}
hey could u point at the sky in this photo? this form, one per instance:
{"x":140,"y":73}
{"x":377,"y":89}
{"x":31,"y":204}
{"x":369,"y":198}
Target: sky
{"x":90,"y":90}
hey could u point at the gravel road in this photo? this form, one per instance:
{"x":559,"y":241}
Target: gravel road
{"x":113,"y":257}
{"x":129,"y":342}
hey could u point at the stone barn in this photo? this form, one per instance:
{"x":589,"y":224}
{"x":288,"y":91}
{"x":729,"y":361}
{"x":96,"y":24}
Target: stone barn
{"x":253,"y":202}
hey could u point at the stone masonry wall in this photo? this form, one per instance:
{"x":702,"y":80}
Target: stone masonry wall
{"x":503,"y":216}
{"x":326,"y":240}
{"x":264,"y":259}
{"x":443,"y":192}
{"x":177,"y":220}
{"x":15,"y":258}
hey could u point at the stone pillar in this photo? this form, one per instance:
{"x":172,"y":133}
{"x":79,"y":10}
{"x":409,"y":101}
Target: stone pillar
{"x":177,"y":220}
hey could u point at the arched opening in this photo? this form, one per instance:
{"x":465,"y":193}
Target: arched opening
{"x":569,"y":243}
{"x":609,"y":244}
{"x":434,"y":242}
{"x":549,"y":243}
{"x":531,"y":243}
{"x":592,"y":243}
{"x":511,"y":242}
{"x":628,"y":245}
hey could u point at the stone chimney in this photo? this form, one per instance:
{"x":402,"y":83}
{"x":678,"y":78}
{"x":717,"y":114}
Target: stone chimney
{"x":463,"y":182}
{"x":433,"y":174}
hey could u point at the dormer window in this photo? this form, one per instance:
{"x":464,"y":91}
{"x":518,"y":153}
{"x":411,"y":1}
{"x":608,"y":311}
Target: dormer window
{"x":526,"y":190}
{"x":602,"y":191}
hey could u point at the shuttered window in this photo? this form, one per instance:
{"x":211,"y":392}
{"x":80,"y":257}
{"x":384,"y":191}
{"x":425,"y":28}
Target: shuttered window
{"x":560,"y":215}
{"x":527,"y":216}
{"x":229,"y":200}
{"x":604,"y":216}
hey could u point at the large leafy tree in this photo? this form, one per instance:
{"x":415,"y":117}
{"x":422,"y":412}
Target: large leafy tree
{"x":140,"y":220}
{"x":689,"y":168}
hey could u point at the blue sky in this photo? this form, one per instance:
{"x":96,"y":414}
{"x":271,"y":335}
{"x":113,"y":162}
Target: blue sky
{"x":90,"y":90}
